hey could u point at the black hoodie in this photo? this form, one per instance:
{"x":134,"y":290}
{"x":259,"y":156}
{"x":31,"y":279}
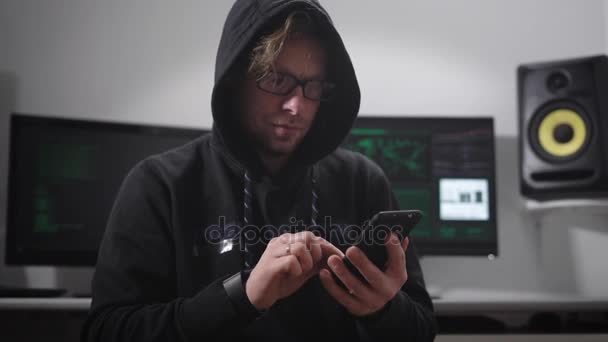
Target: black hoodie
{"x":162,"y":276}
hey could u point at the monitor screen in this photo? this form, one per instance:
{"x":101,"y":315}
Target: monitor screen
{"x":64,"y":176}
{"x":442,"y":166}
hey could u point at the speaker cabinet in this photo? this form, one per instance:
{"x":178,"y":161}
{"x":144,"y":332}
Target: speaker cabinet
{"x":563,"y":128}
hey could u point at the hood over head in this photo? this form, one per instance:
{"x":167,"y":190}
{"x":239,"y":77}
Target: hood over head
{"x":247,"y":21}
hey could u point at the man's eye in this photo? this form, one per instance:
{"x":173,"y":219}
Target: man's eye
{"x":314,"y":89}
{"x":278,"y":79}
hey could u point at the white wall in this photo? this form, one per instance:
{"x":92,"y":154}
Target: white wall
{"x":3,"y":36}
{"x":148,"y":61}
{"x":605,"y":26}
{"x":152,"y":61}
{"x":459,"y":57}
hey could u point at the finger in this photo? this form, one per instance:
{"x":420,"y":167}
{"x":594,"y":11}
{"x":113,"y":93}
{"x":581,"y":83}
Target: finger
{"x":405,"y":243}
{"x":374,"y":276}
{"x":396,"y":256}
{"x":338,"y":293}
{"x":289,"y":265}
{"x":286,"y":238}
{"x":355,"y":286}
{"x":300,"y":251}
{"x":315,"y":252}
{"x":279,"y":248}
{"x":328,"y":249}
{"x":306,"y":237}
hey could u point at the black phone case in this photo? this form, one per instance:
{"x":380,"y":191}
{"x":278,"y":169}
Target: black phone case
{"x":372,"y":238}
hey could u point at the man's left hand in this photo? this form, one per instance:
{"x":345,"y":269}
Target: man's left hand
{"x":363,"y":299}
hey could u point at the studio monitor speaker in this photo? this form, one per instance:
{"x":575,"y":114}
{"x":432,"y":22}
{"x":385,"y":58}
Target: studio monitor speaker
{"x":563,"y":128}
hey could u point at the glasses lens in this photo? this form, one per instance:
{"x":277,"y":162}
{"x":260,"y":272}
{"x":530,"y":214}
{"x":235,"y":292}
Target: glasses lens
{"x":277,"y":83}
{"x":319,"y":90}
{"x":328,"y":91}
{"x":314,"y":90}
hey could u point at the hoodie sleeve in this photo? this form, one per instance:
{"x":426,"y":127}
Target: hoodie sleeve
{"x":134,"y":286}
{"x":409,"y":315}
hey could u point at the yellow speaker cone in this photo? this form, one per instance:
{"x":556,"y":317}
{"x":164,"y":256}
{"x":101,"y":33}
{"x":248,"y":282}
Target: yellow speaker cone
{"x":561,"y":118}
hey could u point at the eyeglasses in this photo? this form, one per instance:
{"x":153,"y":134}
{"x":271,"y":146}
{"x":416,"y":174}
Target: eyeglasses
{"x":282,"y":84}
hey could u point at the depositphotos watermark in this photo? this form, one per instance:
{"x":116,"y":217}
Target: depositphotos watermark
{"x":343,"y":234}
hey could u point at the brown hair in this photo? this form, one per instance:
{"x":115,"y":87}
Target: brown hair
{"x":269,"y":46}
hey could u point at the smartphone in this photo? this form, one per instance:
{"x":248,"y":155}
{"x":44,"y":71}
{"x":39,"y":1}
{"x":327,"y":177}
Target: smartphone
{"x":373,"y":236}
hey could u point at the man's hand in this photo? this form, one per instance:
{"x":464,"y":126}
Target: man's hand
{"x":365,"y":299}
{"x":287,"y":263}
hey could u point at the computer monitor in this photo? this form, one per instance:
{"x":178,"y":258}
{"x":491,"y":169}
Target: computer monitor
{"x":442,"y":166}
{"x":64,"y":176}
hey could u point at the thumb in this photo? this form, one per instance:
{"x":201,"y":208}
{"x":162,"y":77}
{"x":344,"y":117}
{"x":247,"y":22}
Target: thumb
{"x":405,"y":243}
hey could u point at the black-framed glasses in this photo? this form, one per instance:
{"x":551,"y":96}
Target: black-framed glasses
{"x":278,"y":83}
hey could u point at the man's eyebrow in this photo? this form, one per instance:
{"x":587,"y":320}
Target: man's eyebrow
{"x":316,"y":76}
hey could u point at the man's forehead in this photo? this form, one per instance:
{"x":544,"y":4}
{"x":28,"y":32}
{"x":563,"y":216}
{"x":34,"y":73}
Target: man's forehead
{"x":302,"y":57}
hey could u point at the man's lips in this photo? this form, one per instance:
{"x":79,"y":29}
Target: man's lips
{"x":287,"y":127}
{"x":285,"y":130}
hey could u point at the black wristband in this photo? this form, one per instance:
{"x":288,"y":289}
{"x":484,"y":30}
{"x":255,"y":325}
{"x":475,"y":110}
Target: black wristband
{"x":234,"y":286}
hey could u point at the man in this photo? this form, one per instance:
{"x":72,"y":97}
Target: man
{"x":177,"y":261}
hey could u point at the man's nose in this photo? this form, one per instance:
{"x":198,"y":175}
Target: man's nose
{"x":294,"y":100}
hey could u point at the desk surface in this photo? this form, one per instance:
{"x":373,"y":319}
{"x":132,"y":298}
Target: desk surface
{"x":450,"y":303}
{"x":55,"y":303}
{"x":482,"y":300}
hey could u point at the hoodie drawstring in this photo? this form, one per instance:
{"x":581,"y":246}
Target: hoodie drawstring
{"x":247,"y":199}
{"x":247,"y":209}
{"x":315,"y":198}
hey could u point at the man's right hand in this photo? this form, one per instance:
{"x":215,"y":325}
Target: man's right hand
{"x":287,"y":263}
